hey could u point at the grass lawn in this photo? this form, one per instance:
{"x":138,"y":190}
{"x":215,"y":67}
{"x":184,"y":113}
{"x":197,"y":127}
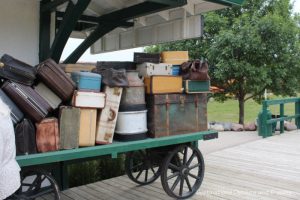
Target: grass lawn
{"x":229,"y":110}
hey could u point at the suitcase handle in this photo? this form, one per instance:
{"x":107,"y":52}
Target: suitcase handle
{"x":112,"y":115}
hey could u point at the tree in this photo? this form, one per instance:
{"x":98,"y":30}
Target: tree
{"x":250,"y":49}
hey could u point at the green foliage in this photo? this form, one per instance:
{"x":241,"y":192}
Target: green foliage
{"x":250,"y":49}
{"x":95,"y":170}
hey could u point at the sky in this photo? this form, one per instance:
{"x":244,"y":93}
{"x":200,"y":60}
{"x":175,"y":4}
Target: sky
{"x":123,"y":55}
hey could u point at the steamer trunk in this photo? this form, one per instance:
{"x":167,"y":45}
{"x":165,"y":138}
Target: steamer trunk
{"x":173,"y":114}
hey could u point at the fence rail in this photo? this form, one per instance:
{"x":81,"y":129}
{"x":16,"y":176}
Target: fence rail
{"x":266,"y":122}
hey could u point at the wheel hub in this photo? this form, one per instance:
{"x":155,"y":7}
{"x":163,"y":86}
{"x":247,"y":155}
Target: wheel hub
{"x":184,"y":171}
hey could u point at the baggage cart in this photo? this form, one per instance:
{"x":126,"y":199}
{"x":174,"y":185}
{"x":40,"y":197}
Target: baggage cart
{"x":176,"y":159}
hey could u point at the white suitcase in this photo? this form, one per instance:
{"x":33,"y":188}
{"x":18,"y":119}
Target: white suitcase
{"x":47,"y":94}
{"x":88,"y":99}
{"x":107,"y":117}
{"x":151,"y":69}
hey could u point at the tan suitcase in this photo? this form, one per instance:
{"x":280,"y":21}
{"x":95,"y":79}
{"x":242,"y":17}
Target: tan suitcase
{"x":87,"y":130}
{"x":107,"y":117}
{"x":69,"y":68}
{"x":163,"y":84}
{"x":175,"y":57}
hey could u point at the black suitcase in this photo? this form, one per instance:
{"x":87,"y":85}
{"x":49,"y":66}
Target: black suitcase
{"x":28,"y":100}
{"x":146,"y":57}
{"x":116,"y":65}
{"x":25,"y":138}
{"x":16,"y":70}
{"x":15,"y":113}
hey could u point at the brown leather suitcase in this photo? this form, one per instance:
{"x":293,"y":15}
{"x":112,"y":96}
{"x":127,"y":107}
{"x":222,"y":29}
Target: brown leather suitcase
{"x":28,"y":100}
{"x":56,"y":79}
{"x":173,"y":114}
{"x":47,"y":135}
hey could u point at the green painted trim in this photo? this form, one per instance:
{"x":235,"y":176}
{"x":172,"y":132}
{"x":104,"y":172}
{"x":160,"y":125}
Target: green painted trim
{"x":111,"y":149}
{"x":280,"y":101}
{"x":266,"y":122}
{"x":72,"y":14}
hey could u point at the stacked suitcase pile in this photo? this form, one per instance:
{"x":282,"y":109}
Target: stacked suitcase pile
{"x":54,"y":109}
{"x":175,"y":106}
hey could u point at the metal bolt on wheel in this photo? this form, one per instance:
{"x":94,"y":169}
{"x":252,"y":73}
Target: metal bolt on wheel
{"x":142,"y":167}
{"x":182,"y":179}
{"x":36,"y":183}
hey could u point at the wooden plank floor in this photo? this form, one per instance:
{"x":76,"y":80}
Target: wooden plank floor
{"x":267,"y":169}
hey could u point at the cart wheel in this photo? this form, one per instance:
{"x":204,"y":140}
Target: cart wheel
{"x":182,"y":178}
{"x":142,"y":166}
{"x":36,"y":183}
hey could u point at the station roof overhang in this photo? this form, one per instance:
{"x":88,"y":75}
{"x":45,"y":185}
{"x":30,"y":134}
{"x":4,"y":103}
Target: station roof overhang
{"x":111,"y":25}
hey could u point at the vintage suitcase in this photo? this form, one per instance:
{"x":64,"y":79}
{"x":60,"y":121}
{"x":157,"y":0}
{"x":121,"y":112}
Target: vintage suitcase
{"x":69,"y":124}
{"x":131,"y":126}
{"x":17,"y":71}
{"x":133,"y":98}
{"x":53,"y":100}
{"x":172,"y":114}
{"x":28,"y":100}
{"x":174,"y":57}
{"x":25,"y":138}
{"x":116,"y":65}
{"x":196,"y":86}
{"x":163,"y":84}
{"x":87,"y":129}
{"x":69,"y":68}
{"x":88,"y":99}
{"x":175,"y":70}
{"x":146,"y":57}
{"x":151,"y":69}
{"x":107,"y":117}
{"x":56,"y":79}
{"x":87,"y":81}
{"x":47,"y":135}
{"x":15,"y":113}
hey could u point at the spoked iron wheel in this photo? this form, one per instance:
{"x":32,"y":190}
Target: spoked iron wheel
{"x":142,"y":166}
{"x":181,"y":179}
{"x":36,"y":183}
